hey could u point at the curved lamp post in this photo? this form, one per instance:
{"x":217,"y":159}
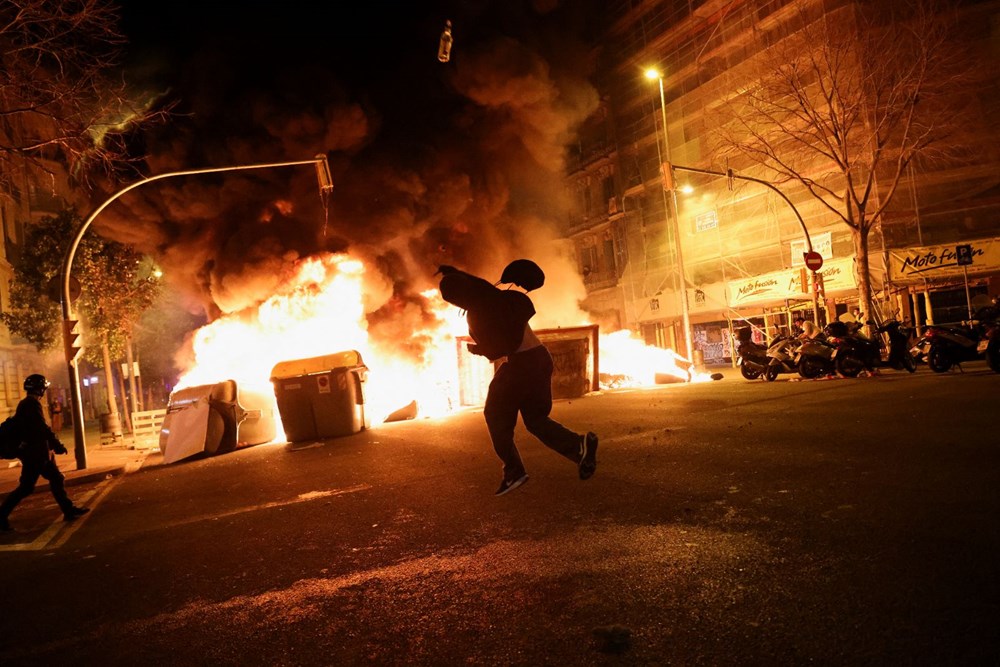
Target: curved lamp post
{"x":325,"y":186}
{"x":809,"y":243}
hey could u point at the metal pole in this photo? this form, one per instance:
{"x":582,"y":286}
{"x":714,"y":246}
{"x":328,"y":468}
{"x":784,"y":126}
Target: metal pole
{"x":731,"y":174}
{"x":79,"y":435}
{"x":685,"y":311}
{"x":968,"y":299}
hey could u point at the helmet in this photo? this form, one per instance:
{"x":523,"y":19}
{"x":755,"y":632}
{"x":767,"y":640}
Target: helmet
{"x":837,"y":328}
{"x":523,"y":273}
{"x":36,"y":384}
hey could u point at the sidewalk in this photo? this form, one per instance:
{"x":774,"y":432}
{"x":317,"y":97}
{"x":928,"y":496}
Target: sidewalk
{"x":102,"y":461}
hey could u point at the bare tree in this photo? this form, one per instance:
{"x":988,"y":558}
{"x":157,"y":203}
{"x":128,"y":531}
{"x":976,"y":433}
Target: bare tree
{"x":60,"y":101}
{"x":845,"y":101}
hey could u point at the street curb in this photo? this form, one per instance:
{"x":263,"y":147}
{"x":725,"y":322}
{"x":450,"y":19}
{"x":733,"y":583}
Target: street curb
{"x":87,"y":475}
{"x":72,"y":478}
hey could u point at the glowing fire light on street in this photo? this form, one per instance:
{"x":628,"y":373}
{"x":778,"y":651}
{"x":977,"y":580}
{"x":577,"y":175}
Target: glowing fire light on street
{"x":320,"y":310}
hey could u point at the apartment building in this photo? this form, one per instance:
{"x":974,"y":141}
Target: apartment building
{"x":21,"y":201}
{"x":741,"y":242}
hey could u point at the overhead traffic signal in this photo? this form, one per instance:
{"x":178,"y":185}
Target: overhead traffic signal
{"x":72,"y":340}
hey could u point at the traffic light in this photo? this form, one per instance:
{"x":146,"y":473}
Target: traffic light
{"x":819,"y":286}
{"x":803,"y":281}
{"x":668,"y":176}
{"x":72,"y":340}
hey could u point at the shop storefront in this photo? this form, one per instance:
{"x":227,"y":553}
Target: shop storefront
{"x":946,"y":283}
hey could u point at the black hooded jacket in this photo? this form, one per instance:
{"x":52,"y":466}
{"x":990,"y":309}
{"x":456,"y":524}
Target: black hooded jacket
{"x":36,"y":434}
{"x":496,"y":317}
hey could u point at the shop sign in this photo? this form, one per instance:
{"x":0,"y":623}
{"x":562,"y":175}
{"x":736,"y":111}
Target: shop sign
{"x":943,"y":261}
{"x":838,"y":275}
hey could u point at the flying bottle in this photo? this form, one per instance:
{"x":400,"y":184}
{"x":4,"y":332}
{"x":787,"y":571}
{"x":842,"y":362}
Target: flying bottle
{"x":444,"y":46}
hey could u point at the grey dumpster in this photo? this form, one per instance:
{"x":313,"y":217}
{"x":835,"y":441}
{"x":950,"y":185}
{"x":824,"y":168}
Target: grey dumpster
{"x":321,"y":397}
{"x":212,"y":419}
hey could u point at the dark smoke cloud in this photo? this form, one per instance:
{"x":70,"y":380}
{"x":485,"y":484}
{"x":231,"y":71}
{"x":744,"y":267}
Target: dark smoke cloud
{"x":458,"y":163}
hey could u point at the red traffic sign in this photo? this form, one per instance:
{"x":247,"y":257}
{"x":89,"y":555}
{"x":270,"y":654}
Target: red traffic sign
{"x":814,"y":260}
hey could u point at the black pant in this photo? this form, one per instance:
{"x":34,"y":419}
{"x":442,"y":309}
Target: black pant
{"x":33,"y":466}
{"x":524,"y":384}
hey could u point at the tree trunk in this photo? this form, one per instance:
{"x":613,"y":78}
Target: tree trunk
{"x":126,"y":413}
{"x":130,"y":361}
{"x":109,"y":377}
{"x":861,"y":264}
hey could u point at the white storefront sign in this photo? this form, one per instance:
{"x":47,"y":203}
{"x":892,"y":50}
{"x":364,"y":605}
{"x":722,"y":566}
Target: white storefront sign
{"x":838,"y":275}
{"x":917,"y":264}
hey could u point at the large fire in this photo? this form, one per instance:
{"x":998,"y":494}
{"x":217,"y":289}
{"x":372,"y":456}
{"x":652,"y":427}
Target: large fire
{"x":321,"y":310}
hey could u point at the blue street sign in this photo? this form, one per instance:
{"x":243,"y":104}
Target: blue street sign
{"x":963,"y":255}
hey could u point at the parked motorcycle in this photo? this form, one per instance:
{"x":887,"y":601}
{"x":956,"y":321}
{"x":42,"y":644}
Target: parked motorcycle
{"x":989,"y":342}
{"x":817,"y":356}
{"x":946,"y":346}
{"x":990,"y":345}
{"x":857,"y":352}
{"x":782,"y":357}
{"x":753,"y":359}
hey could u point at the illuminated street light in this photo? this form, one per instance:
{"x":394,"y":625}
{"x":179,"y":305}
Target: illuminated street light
{"x":653,"y":74}
{"x":325,"y":183}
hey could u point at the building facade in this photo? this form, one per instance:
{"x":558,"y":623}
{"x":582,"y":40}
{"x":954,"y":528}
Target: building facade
{"x":740,"y":242}
{"x":25,"y":197}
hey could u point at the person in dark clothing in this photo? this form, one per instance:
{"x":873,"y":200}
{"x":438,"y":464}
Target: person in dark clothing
{"x":39,"y":446}
{"x":498,"y":323}
{"x":55,"y":411}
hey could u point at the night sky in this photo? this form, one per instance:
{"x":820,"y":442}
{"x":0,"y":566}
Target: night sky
{"x":457,"y":162}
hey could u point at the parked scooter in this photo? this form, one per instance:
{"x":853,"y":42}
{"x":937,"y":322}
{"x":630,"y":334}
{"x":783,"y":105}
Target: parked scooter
{"x":990,"y":345}
{"x":989,"y":342}
{"x":814,"y":354}
{"x":857,"y":352}
{"x":946,"y":346}
{"x":816,"y":357}
{"x":782,"y":357}
{"x":753,"y":359}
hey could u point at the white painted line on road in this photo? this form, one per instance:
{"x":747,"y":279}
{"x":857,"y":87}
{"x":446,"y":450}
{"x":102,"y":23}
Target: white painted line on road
{"x":98,"y":493}
{"x":60,"y":530}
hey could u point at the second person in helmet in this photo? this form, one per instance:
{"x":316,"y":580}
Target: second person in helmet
{"x":37,"y":454}
{"x":498,"y":323}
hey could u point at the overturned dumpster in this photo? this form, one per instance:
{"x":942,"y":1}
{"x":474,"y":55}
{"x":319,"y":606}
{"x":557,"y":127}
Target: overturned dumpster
{"x":321,"y":397}
{"x":213,"y":419}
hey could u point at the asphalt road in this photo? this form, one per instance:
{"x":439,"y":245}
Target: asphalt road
{"x":841,"y":522}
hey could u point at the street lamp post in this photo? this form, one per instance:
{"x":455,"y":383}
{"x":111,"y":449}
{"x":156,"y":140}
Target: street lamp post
{"x":730,"y":174}
{"x":685,"y":311}
{"x":69,"y":336}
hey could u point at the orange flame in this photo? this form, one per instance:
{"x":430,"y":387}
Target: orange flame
{"x":320,"y":310}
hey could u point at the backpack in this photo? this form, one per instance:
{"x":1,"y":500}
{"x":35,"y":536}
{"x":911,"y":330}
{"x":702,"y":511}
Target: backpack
{"x":10,"y":438}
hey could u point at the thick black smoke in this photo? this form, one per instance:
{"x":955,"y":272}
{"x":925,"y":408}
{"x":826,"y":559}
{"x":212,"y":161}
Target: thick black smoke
{"x":434,"y":163}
